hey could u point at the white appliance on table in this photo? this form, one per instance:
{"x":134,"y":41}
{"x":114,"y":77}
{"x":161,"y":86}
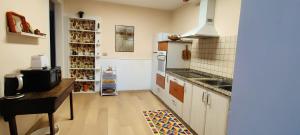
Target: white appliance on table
{"x":39,"y":62}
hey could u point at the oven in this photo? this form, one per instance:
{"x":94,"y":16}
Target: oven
{"x":161,"y":62}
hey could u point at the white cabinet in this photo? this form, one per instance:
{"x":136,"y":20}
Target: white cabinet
{"x":198,"y":110}
{"x":187,"y":104}
{"x":216,"y":114}
{"x":209,"y":112}
{"x":204,"y":110}
{"x":163,"y":93}
{"x":180,"y":93}
{"x":176,"y":95}
{"x":167,"y":99}
{"x":159,"y":92}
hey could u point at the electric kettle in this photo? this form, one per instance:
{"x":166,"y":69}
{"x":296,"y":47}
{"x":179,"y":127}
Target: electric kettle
{"x":13,"y":84}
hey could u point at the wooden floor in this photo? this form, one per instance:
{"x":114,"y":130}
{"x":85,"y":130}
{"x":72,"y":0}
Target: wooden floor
{"x":114,"y":115}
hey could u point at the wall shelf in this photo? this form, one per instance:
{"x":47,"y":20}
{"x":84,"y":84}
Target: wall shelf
{"x":79,"y":80}
{"x":82,"y":55}
{"x":26,"y":34}
{"x":82,"y":43}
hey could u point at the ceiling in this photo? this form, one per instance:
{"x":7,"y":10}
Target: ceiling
{"x":157,"y":4}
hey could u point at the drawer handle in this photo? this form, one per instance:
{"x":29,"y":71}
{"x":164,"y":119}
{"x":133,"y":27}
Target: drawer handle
{"x":203,"y":96}
{"x":174,"y":103}
{"x":208,"y":99}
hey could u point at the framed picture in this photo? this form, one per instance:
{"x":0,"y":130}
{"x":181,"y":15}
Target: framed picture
{"x":124,"y":38}
{"x":16,"y":22}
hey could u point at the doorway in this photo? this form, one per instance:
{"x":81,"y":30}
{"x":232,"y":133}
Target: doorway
{"x":52,"y":33}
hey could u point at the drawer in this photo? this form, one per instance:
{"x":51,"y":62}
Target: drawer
{"x":176,"y":91}
{"x":160,"y":81}
{"x":176,"y":106}
{"x":163,"y":46}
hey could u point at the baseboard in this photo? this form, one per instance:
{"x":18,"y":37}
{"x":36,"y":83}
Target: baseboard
{"x":133,"y":91}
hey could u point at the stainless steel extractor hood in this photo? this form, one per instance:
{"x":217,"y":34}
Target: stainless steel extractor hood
{"x":205,"y":28}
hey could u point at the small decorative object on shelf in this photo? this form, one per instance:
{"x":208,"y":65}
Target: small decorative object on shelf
{"x":109,"y":82}
{"x":38,"y":32}
{"x":83,"y":64}
{"x":174,"y":37}
{"x":80,"y":14}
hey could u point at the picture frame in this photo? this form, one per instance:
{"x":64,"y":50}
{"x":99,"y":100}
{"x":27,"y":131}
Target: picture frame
{"x":124,"y":38}
{"x":16,"y":22}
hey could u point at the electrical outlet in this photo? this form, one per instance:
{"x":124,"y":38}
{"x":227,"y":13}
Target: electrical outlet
{"x":104,"y":54}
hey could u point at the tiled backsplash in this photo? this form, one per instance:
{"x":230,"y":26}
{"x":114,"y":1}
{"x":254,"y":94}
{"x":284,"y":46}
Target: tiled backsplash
{"x":215,"y":55}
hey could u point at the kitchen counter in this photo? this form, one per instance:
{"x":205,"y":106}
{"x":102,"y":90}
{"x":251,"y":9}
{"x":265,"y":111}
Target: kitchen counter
{"x":191,"y":76}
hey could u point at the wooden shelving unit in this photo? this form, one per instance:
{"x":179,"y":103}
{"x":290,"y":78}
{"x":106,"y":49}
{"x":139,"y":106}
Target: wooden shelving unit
{"x":83,"y":49}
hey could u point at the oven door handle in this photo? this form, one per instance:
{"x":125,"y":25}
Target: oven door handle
{"x":161,"y":57}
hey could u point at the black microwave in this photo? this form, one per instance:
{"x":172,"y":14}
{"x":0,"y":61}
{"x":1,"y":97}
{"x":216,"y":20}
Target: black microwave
{"x":41,"y":79}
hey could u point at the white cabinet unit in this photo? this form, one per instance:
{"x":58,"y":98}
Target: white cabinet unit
{"x":216,"y":114}
{"x":198,"y":110}
{"x":204,"y":110}
{"x":209,"y":112}
{"x":180,"y":95}
{"x":176,"y":94}
{"x":187,"y":104}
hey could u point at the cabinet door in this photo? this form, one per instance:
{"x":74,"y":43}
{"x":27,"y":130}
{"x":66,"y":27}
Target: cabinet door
{"x":166,"y":91}
{"x":158,"y":91}
{"x":176,"y":106}
{"x":197,"y":121}
{"x":186,"y":113}
{"x":160,"y":81}
{"x":177,"y":90}
{"x":216,"y":114}
{"x":163,"y":46}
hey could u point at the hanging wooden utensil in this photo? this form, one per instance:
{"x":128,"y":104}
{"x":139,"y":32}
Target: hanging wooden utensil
{"x":186,"y":54}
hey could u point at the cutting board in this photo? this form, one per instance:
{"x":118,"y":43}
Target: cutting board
{"x":186,"y":54}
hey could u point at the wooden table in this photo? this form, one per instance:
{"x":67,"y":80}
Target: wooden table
{"x":36,"y":103}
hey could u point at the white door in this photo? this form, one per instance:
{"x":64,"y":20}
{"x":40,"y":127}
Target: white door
{"x":186,"y":113}
{"x":197,"y":121}
{"x":216,"y":114}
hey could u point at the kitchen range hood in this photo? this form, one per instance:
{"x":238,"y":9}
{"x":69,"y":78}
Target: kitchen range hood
{"x":205,"y":28}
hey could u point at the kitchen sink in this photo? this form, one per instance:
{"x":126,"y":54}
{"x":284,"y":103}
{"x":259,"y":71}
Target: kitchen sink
{"x":228,"y":87}
{"x":215,"y":82}
{"x":191,"y":75}
{"x":219,"y":83}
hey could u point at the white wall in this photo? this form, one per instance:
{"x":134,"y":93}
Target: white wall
{"x":219,"y":58}
{"x":146,"y":21}
{"x":132,"y":74}
{"x":134,"y":68}
{"x":227,"y":15}
{"x":266,"y":95}
{"x":16,"y":51}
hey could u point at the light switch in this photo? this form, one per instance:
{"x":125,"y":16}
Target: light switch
{"x":104,"y":54}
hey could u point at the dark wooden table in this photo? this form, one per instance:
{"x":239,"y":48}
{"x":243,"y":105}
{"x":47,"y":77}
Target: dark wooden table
{"x":36,"y":103}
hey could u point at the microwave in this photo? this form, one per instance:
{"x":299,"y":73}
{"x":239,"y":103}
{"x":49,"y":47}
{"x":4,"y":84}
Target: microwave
{"x":36,"y":80}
